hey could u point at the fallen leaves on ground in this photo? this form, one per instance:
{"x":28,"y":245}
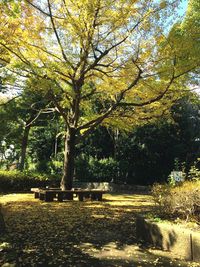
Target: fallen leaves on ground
{"x":74,"y":233}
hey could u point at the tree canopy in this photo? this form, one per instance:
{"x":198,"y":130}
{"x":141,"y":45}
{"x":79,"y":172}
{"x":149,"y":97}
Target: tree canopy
{"x":98,"y":61}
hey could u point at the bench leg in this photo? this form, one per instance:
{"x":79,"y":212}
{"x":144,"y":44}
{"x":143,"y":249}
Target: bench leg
{"x":37,"y":194}
{"x":93,"y":196}
{"x":69,"y":196}
{"x":87,"y":195}
{"x":99,"y":197}
{"x":80,"y":197}
{"x":96,"y":196}
{"x":49,"y":197}
{"x":60,"y":197}
{"x":41,"y":196}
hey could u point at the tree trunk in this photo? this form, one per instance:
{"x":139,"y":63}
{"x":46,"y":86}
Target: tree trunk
{"x":24,"y":147}
{"x":69,"y":158}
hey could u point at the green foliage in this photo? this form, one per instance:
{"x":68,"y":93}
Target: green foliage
{"x":41,"y":146}
{"x":16,"y":117}
{"x":71,"y":61}
{"x":23,"y":181}
{"x":56,"y":166}
{"x":142,"y":159}
{"x":171,"y":180}
{"x":103,"y":170}
{"x":137,"y":158}
{"x":194,"y":172}
{"x":94,"y":170}
{"x":181,"y":201}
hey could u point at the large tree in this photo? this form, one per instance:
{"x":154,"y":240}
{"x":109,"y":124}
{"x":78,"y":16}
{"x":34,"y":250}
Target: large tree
{"x":97,"y":61}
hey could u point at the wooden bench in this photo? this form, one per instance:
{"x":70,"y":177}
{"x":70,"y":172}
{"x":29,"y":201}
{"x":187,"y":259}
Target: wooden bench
{"x":49,"y":194}
{"x":37,"y":191}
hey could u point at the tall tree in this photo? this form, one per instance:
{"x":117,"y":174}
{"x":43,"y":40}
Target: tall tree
{"x":113,"y":52}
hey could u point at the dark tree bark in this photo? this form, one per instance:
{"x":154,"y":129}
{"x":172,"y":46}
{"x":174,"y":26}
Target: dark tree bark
{"x":24,"y":146}
{"x":69,"y":160}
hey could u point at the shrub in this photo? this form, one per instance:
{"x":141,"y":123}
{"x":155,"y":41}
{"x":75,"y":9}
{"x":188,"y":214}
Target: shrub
{"x":194,"y":173}
{"x":23,"y":181}
{"x":103,"y":170}
{"x":161,"y":193}
{"x":90,"y":169}
{"x":179,"y":201}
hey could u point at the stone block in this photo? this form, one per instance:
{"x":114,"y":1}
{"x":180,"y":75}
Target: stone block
{"x":196,"y":246}
{"x":182,"y":242}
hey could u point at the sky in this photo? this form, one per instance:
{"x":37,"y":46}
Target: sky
{"x":183,"y":7}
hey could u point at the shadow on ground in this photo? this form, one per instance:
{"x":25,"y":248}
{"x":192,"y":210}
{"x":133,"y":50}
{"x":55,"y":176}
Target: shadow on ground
{"x":79,"y":234}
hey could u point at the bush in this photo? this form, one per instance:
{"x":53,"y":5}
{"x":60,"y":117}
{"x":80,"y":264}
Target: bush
{"x":103,"y":170}
{"x":179,"y":201}
{"x":194,"y":173}
{"x":90,"y":169}
{"x":23,"y":181}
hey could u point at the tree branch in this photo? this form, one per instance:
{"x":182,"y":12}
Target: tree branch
{"x":57,"y":36}
{"x":93,"y":123}
{"x":10,"y":100}
{"x":60,"y":109}
{"x":42,"y":11}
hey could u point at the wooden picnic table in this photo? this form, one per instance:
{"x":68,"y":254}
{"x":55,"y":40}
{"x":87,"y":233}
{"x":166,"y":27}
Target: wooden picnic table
{"x":49,"y":194}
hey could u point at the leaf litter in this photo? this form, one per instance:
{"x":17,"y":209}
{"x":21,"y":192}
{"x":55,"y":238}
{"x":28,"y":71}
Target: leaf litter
{"x":75,"y":233}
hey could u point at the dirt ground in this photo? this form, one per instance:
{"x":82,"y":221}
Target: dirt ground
{"x":73,"y":233}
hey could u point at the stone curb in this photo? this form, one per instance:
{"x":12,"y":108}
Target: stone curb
{"x":182,"y":242}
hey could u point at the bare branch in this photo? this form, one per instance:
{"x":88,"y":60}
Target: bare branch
{"x":36,"y":117}
{"x":185,"y":72}
{"x":13,"y":52}
{"x":93,"y":123}
{"x":10,"y":100}
{"x":18,"y":73}
{"x":23,"y":60}
{"x":57,"y":36}
{"x":44,"y":50}
{"x":103,"y":54}
{"x":60,"y":109}
{"x":63,"y":74}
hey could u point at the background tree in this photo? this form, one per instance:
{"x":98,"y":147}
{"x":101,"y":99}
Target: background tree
{"x":45,"y":147}
{"x":113,"y":52}
{"x":18,"y":116}
{"x":9,"y":132}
